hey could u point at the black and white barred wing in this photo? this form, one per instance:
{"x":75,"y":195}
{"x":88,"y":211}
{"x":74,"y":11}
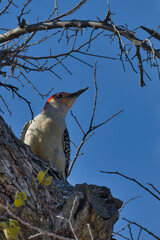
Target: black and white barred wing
{"x":24,"y":130}
{"x":66,"y":147}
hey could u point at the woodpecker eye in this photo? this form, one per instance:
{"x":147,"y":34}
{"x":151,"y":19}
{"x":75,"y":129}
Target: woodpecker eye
{"x":59,"y":95}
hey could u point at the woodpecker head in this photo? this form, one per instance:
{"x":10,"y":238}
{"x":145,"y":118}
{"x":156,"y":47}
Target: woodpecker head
{"x":63,"y":101}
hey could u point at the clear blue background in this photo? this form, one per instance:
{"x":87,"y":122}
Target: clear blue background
{"x":129,"y":143}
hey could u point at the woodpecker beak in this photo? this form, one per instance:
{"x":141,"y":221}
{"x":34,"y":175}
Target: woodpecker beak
{"x":78,"y":93}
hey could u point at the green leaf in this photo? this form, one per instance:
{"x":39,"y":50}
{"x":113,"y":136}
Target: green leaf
{"x":18,"y":202}
{"x":40,"y":176}
{"x":47,"y":181}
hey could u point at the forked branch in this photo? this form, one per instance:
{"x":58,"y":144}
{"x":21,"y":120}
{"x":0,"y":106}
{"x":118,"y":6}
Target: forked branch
{"x":143,"y":228}
{"x":133,"y":180}
{"x":43,"y":26}
{"x":89,"y":133}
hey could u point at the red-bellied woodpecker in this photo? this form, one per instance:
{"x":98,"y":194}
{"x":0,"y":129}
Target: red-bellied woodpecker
{"x":47,"y":134}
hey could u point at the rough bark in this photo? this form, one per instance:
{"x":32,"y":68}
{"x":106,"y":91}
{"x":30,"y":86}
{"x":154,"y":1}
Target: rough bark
{"x":82,"y":203}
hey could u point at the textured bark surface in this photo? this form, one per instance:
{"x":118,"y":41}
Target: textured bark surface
{"x":93,"y":204}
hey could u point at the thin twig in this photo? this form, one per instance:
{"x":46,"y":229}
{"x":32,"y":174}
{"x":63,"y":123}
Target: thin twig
{"x":139,"y":234}
{"x":9,"y":86}
{"x":123,"y":236}
{"x":108,"y":3}
{"x":6,"y":105}
{"x":116,"y":233}
{"x":150,"y":184}
{"x":90,"y":232}
{"x":80,"y":60}
{"x":70,"y":217}
{"x":90,"y":39}
{"x":91,"y":128}
{"x":28,"y":103}
{"x":153,"y":33}
{"x":128,"y":202}
{"x":15,"y":91}
{"x":122,"y":47}
{"x":154,"y":57}
{"x":145,"y":229}
{"x":36,"y":235}
{"x":96,"y":55}
{"x":133,"y":180}
{"x":6,"y":7}
{"x":70,"y":11}
{"x":24,"y":7}
{"x":141,"y":81}
{"x":130,"y":232}
{"x":50,"y":15}
{"x":56,"y":8}
{"x":114,"y":115}
{"x":95,"y":97}
{"x":77,"y":122}
{"x":73,"y":144}
{"x":33,"y":227}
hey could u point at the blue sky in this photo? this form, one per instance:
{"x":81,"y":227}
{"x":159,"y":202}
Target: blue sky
{"x":129,"y":143}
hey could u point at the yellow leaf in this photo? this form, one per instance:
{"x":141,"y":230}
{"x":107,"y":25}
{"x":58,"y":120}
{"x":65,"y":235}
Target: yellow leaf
{"x":47,"y":181}
{"x":18,"y":202}
{"x":4,"y":225}
{"x":47,"y":169}
{"x":13,"y":223}
{"x":22,"y":196}
{"x":7,"y":234}
{"x":12,"y":233}
{"x":16,"y":194}
{"x":11,"y":230}
{"x":40,"y":176}
{"x":19,"y":198}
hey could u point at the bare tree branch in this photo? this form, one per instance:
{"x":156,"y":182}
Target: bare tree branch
{"x":70,"y":11}
{"x":145,"y":229}
{"x":133,"y":180}
{"x":130,"y":232}
{"x":6,"y":7}
{"x":89,"y":133}
{"x":5,"y":105}
{"x":128,"y":202}
{"x":141,"y":81}
{"x":17,"y":32}
{"x":77,"y":122}
{"x":116,"y":233}
{"x":15,"y":91}
{"x":153,"y":33}
{"x":150,"y":184}
{"x":56,"y":7}
{"x":23,"y":13}
{"x":140,"y":231}
{"x":95,"y":97}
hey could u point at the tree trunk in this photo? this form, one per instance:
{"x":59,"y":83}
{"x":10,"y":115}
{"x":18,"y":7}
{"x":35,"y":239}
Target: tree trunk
{"x":82,"y":212}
